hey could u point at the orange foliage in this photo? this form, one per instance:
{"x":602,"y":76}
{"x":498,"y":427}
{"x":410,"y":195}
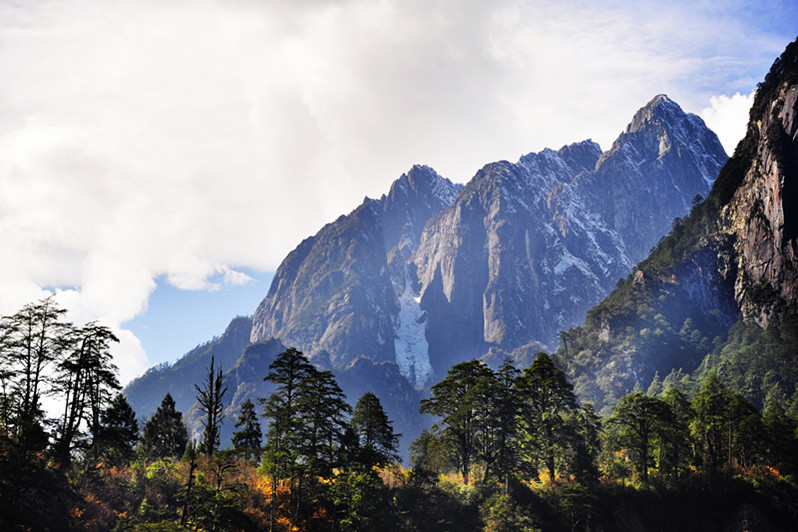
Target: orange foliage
{"x":287,"y":524}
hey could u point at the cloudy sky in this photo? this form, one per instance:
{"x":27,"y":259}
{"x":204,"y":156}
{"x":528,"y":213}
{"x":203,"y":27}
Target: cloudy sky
{"x":159,"y":158}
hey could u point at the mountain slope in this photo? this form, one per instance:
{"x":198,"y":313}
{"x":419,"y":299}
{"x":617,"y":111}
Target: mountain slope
{"x":431,"y":275}
{"x":719,"y":293}
{"x":336,"y":296}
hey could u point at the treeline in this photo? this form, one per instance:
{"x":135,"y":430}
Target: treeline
{"x":510,"y":450}
{"x":91,"y":468}
{"x":530,"y":424}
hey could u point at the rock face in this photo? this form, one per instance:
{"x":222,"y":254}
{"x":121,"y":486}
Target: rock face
{"x":763,"y":215}
{"x":433,"y":274}
{"x":652,"y":173}
{"x":342,"y":293}
{"x":733,"y":262}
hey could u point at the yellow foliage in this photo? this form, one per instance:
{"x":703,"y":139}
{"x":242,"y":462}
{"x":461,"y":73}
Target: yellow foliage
{"x":287,"y":524}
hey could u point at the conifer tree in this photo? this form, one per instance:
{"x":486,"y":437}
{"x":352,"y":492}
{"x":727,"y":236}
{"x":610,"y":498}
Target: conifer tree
{"x":210,"y":396}
{"x":118,"y":434}
{"x":377,"y":441}
{"x":247,"y":440}
{"x":31,"y":342}
{"x":675,"y":438}
{"x":640,"y":419}
{"x":546,"y":397}
{"x":284,"y":435}
{"x":86,"y":379}
{"x":710,"y":424}
{"x":322,"y":407}
{"x":164,"y":434}
{"x":455,"y":399}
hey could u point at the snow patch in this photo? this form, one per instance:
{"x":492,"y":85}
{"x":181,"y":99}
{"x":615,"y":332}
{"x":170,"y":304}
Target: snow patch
{"x":410,"y":342}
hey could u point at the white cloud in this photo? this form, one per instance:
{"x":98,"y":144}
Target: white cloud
{"x":727,"y":116}
{"x":189,"y":139}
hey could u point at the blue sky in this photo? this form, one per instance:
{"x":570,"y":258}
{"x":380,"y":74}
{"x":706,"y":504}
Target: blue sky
{"x":159,"y":158}
{"x":178,"y":320}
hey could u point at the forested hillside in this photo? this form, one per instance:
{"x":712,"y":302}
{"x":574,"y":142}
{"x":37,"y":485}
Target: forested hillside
{"x":510,"y":450}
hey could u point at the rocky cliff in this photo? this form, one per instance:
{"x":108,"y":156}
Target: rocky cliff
{"x":433,"y":274}
{"x":720,"y":293}
{"x":762,"y":217}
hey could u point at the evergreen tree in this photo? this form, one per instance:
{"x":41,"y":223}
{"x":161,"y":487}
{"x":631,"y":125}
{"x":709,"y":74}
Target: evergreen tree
{"x":118,"y":434}
{"x":247,"y":440}
{"x":377,"y":441}
{"x":746,"y":434}
{"x":546,"y":397}
{"x":164,"y":434}
{"x":456,"y":400}
{"x":675,"y":436}
{"x":781,"y":439}
{"x":210,"y":396}
{"x":655,"y":388}
{"x":31,"y":342}
{"x":641,"y":419}
{"x":86,"y":378}
{"x":710,"y":424}
{"x":284,"y":436}
{"x":428,"y":453}
{"x":504,"y":418}
{"x":322,"y":407}
{"x":584,"y":443}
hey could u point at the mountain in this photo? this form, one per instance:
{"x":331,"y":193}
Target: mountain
{"x":337,"y":295}
{"x":431,"y":274}
{"x":146,"y":392}
{"x":434,"y":273}
{"x":720,"y":293}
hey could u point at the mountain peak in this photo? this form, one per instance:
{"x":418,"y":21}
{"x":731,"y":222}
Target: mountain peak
{"x":660,"y":110}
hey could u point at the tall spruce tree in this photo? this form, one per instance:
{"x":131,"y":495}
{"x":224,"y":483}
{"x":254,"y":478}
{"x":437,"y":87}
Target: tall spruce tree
{"x":284,"y":435}
{"x":164,"y":434}
{"x":322,"y":409}
{"x":378,"y":444}
{"x":119,"y":433}
{"x":247,"y":440}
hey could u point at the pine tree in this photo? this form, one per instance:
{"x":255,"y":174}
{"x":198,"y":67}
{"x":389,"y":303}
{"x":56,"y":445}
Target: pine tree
{"x":31,"y":342}
{"x":377,"y":442}
{"x":86,"y":378}
{"x":164,"y":434}
{"x":247,"y":440}
{"x":281,"y":408}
